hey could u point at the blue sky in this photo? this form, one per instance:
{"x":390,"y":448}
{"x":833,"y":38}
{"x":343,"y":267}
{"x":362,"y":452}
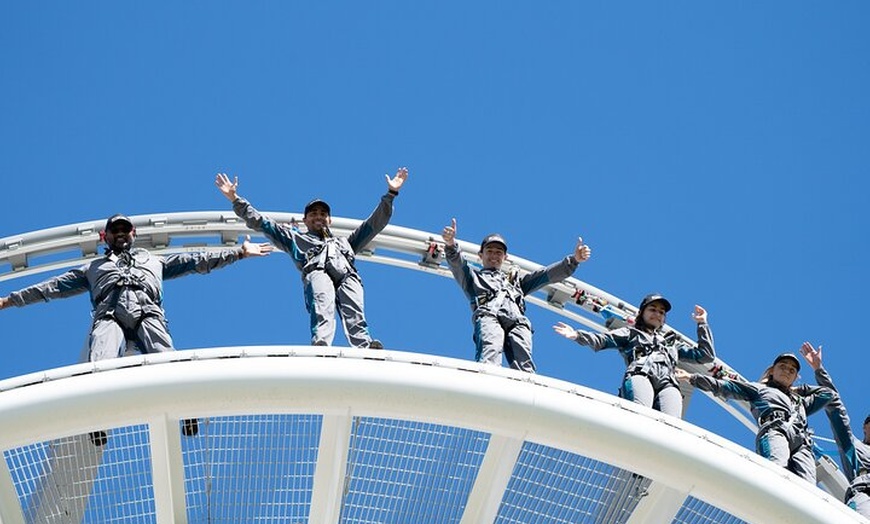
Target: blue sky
{"x":714,"y":152}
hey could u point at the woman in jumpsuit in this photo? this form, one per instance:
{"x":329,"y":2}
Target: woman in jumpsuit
{"x":780,"y":409}
{"x":854,"y":453}
{"x":650,"y":357}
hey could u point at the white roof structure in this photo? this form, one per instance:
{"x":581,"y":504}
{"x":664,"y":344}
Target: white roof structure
{"x":329,"y":435}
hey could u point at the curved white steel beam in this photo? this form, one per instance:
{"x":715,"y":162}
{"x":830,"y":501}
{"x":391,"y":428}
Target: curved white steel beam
{"x":356,"y":382}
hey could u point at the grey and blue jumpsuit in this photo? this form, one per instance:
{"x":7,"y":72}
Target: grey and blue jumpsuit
{"x":126,"y":293}
{"x":854,"y":453}
{"x":498,"y":307}
{"x":329,"y":277}
{"x":650,"y":360}
{"x":783,"y":435}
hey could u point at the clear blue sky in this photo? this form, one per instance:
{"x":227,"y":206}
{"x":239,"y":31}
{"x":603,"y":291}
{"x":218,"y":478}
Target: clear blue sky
{"x":715,"y":152}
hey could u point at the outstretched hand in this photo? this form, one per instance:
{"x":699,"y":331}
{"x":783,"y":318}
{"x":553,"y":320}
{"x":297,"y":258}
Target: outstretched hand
{"x":565,"y":330}
{"x":250,"y":249}
{"x":449,"y":233}
{"x":812,"y":355}
{"x":682,"y":375}
{"x":5,"y":302}
{"x":699,"y":315}
{"x":582,"y":252}
{"x":222,"y":181}
{"x":395,"y":183}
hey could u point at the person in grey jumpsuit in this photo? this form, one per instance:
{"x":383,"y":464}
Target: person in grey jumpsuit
{"x":497,"y":297}
{"x":780,"y":410}
{"x":126,"y":289}
{"x":650,"y":356}
{"x":329,"y":277}
{"x":854,"y":453}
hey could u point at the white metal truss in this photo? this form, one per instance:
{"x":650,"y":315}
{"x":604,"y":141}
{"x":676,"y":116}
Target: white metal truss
{"x":386,"y":429}
{"x":71,"y":245}
{"x":67,"y":246}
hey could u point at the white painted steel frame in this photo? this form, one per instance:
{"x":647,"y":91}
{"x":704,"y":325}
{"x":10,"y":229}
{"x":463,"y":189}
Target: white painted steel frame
{"x":212,"y":230}
{"x":680,"y":458}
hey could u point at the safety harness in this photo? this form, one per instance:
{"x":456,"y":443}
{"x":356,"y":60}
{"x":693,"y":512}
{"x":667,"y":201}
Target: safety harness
{"x":511,"y":291}
{"x":125,"y":263}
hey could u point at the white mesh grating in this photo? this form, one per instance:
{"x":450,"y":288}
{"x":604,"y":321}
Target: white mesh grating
{"x":555,"y":486}
{"x":74,"y":480}
{"x":257,"y":468}
{"x":403,"y":471}
{"x":695,"y":511}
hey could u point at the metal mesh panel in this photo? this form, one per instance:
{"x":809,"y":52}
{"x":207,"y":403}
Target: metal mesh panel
{"x":695,"y":511}
{"x":102,"y":477}
{"x":555,"y":486}
{"x":402,"y":471}
{"x":257,"y":468}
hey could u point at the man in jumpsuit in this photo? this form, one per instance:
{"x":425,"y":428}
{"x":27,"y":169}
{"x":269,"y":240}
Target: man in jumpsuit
{"x":126,"y":290}
{"x":329,"y":276}
{"x":854,"y":453}
{"x":498,"y":298}
{"x":781,"y":411}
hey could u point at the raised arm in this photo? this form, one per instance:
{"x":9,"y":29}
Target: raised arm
{"x":705,"y":351}
{"x":854,"y":455}
{"x":226,"y":187}
{"x":395,"y":184}
{"x":557,"y":271}
{"x":380,"y":217}
{"x":582,"y":252}
{"x":449,"y":233}
{"x":462,"y":273}
{"x":281,"y":236}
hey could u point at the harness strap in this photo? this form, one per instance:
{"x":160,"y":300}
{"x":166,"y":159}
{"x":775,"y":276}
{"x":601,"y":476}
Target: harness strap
{"x":770,"y":417}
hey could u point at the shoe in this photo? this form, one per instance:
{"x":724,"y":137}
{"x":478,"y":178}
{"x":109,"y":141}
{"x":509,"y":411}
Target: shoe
{"x":319,"y":343}
{"x":376,"y":344}
{"x":189,"y":427}
{"x":98,"y":438}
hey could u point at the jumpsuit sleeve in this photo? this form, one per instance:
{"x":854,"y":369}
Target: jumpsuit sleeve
{"x":704,"y":352}
{"x":374,"y":224}
{"x":725,"y":388}
{"x":556,"y":272}
{"x":181,"y":264}
{"x":817,"y":397}
{"x":71,"y":283}
{"x":840,"y":426}
{"x":283,"y":237}
{"x":462,"y":273}
{"x":617,"y":338}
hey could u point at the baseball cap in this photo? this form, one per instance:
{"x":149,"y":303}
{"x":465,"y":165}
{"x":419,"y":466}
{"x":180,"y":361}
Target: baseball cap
{"x":118,"y":218}
{"x":788,"y":356}
{"x":493,"y":238}
{"x":654,"y":297}
{"x":314,"y":203}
